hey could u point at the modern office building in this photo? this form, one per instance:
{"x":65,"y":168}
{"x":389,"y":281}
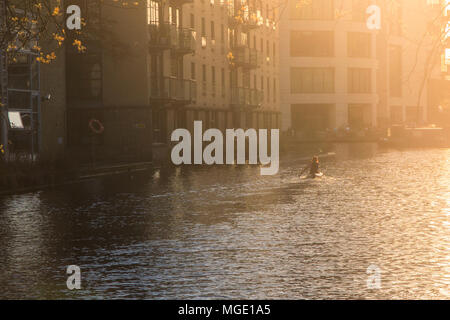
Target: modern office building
{"x":339,"y":73}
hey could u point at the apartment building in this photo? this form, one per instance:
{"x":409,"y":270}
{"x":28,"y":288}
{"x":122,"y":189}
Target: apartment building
{"x":341,"y":74}
{"x":185,"y":60}
{"x":214,"y":61}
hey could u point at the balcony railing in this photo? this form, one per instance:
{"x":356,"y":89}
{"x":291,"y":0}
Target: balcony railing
{"x":165,"y":36}
{"x":246,"y":97}
{"x":246,"y":57}
{"x":170,"y":89}
{"x":186,"y":41}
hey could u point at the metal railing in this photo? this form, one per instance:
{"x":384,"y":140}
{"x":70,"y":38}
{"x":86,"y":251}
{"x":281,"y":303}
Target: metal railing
{"x":164,"y":36}
{"x":175,"y":89}
{"x":246,"y":97}
{"x":246,"y":57}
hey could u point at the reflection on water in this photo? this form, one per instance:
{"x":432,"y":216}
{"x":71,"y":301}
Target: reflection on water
{"x":227,"y":232}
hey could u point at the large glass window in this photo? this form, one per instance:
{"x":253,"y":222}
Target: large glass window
{"x":153,"y":12}
{"x":312,"y":80}
{"x":84,"y":76}
{"x":359,"y":80}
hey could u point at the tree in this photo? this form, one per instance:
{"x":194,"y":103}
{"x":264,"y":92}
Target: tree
{"x":44,"y":27}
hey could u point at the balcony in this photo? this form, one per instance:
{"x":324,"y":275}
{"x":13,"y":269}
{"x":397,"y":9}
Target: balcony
{"x":246,"y":97}
{"x":172,"y":90}
{"x":185,"y":41}
{"x":168,"y":36}
{"x":246,"y":57}
{"x":243,"y":15}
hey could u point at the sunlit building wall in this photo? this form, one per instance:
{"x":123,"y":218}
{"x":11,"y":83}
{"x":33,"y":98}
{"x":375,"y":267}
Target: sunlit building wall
{"x":339,"y":73}
{"x":225,"y":72}
{"x":166,"y":64}
{"x":328,"y":59}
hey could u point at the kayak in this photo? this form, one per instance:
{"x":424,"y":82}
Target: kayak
{"x":317,"y":175}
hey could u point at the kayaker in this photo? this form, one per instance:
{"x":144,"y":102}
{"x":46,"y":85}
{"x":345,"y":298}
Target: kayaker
{"x":313,"y":167}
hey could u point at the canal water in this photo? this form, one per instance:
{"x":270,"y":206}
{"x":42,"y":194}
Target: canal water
{"x":229,"y":233}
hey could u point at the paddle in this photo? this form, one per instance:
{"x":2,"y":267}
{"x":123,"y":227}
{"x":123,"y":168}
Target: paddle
{"x":304,"y":170}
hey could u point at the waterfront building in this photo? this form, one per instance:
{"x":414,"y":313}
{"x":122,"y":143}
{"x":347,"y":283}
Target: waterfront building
{"x":340,"y":74}
{"x":151,"y":67}
{"x":214,"y":61}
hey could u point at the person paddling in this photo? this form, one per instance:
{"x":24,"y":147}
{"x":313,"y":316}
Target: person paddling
{"x":313,"y":167}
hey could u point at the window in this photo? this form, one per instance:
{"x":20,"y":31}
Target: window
{"x":15,"y":120}
{"x":204,"y":80}
{"x":359,"y":45}
{"x":359,"y":80}
{"x":223,"y":82}
{"x":312,"y":43}
{"x":153,"y":12}
{"x":274,"y":52}
{"x":274,"y":90}
{"x":312,"y":80}
{"x":246,"y":79}
{"x":213,"y":33}
{"x":213,"y":80}
{"x":312,"y":10}
{"x":203,"y":27}
{"x":244,"y":39}
{"x":395,"y":71}
{"x":174,"y":67}
{"x":192,"y":21}
{"x":193,"y":75}
{"x":396,"y":114}
{"x":174,"y":16}
{"x":83,"y":76}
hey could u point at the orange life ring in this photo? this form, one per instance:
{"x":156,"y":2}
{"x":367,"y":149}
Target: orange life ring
{"x":96,"y":126}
